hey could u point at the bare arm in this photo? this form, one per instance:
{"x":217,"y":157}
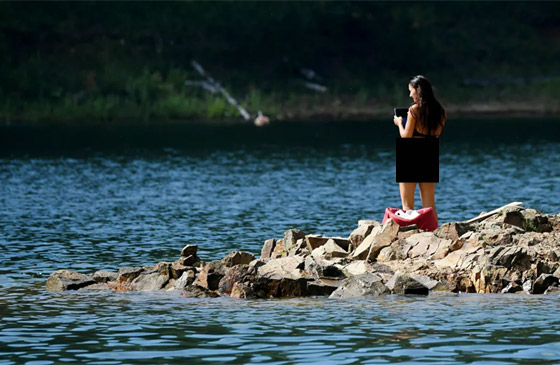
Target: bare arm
{"x":408,"y":130}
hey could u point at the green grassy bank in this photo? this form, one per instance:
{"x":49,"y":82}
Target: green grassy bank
{"x":115,"y":62}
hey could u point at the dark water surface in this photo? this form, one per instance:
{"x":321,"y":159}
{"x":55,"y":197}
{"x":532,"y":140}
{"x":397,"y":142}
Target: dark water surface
{"x":89,"y":199}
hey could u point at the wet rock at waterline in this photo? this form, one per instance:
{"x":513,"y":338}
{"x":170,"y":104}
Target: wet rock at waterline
{"x":514,"y":251}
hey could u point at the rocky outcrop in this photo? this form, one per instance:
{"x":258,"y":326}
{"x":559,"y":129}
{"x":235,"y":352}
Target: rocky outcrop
{"x":514,"y":251}
{"x":62,"y":280}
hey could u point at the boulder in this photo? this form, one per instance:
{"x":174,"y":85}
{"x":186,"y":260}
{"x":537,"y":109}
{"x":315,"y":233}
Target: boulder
{"x":431,"y":284}
{"x":262,"y":287}
{"x":237,"y":258}
{"x":186,"y":279}
{"x":527,"y":286}
{"x":279,"y":250}
{"x":284,"y":267}
{"x":62,"y":280}
{"x":210,"y":275}
{"x":543,"y":282}
{"x":401,"y":283}
{"x":512,"y":287}
{"x":243,"y":291}
{"x":195,"y":291}
{"x":535,"y":221}
{"x":451,"y":231}
{"x":368,"y":284}
{"x":268,"y":248}
{"x":299,"y":249}
{"x":552,"y":290}
{"x":291,"y":237}
{"x":188,"y":261}
{"x":125,"y":277}
{"x":96,"y":287}
{"x":332,"y":250}
{"x":420,"y":244}
{"x":189,"y":250}
{"x":177,"y":268}
{"x":358,"y":235}
{"x":152,"y":278}
{"x":322,"y":268}
{"x":509,"y":257}
{"x":322,"y":287}
{"x":238,"y":273}
{"x":103,"y":276}
{"x":314,"y":241}
{"x":149,"y":282}
{"x":387,"y":254}
{"x":379,"y":238}
{"x":357,"y":268}
{"x":371,"y":222}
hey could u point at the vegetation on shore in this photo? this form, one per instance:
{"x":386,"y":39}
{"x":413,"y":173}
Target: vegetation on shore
{"x":81,"y":62}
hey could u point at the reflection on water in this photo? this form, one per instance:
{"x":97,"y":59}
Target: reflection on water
{"x":111,"y":206}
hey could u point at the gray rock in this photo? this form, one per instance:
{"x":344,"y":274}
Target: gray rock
{"x":62,"y":280}
{"x":527,"y":286}
{"x":357,"y":236}
{"x":237,"y":258}
{"x":102,"y":276}
{"x":365,"y":222}
{"x":238,"y":273}
{"x":401,"y":283}
{"x":332,"y":249}
{"x":284,"y":267}
{"x":186,"y":279}
{"x":126,"y":276}
{"x":243,"y":291}
{"x":379,"y":238}
{"x":299,"y":249}
{"x":290,"y":238}
{"x":451,"y":231}
{"x":368,"y":284}
{"x":195,"y":291}
{"x":149,"y":282}
{"x":322,"y":287}
{"x":210,"y":275}
{"x":431,"y":284}
{"x":509,"y":257}
{"x":189,"y":250}
{"x":363,"y":250}
{"x":552,"y":290}
{"x":314,"y":241}
{"x":268,"y":248}
{"x":387,"y":254}
{"x":188,"y":261}
{"x":357,"y":268}
{"x":512,"y":287}
{"x":96,"y":287}
{"x":129,"y":273}
{"x":543,"y":282}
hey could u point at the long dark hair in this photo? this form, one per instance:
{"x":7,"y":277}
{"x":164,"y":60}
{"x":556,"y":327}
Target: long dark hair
{"x":430,"y":114}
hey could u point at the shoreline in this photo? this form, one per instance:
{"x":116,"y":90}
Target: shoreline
{"x":328,"y":112}
{"x":509,"y":250}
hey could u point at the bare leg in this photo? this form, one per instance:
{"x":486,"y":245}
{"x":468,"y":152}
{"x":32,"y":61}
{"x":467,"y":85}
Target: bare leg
{"x":428,"y":196}
{"x":407,"y":195}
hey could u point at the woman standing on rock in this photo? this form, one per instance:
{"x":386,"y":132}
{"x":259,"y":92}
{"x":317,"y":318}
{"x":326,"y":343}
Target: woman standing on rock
{"x":425,"y":119}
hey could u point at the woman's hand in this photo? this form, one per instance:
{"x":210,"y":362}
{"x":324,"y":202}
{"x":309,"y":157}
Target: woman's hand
{"x":397,"y":121}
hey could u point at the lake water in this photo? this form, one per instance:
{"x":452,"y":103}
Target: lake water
{"x":85,"y":199}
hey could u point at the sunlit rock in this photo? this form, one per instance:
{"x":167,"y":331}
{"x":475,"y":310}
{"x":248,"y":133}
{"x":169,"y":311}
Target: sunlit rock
{"x":62,"y":280}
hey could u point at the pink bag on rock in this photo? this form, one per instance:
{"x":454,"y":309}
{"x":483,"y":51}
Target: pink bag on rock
{"x":424,"y":218}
